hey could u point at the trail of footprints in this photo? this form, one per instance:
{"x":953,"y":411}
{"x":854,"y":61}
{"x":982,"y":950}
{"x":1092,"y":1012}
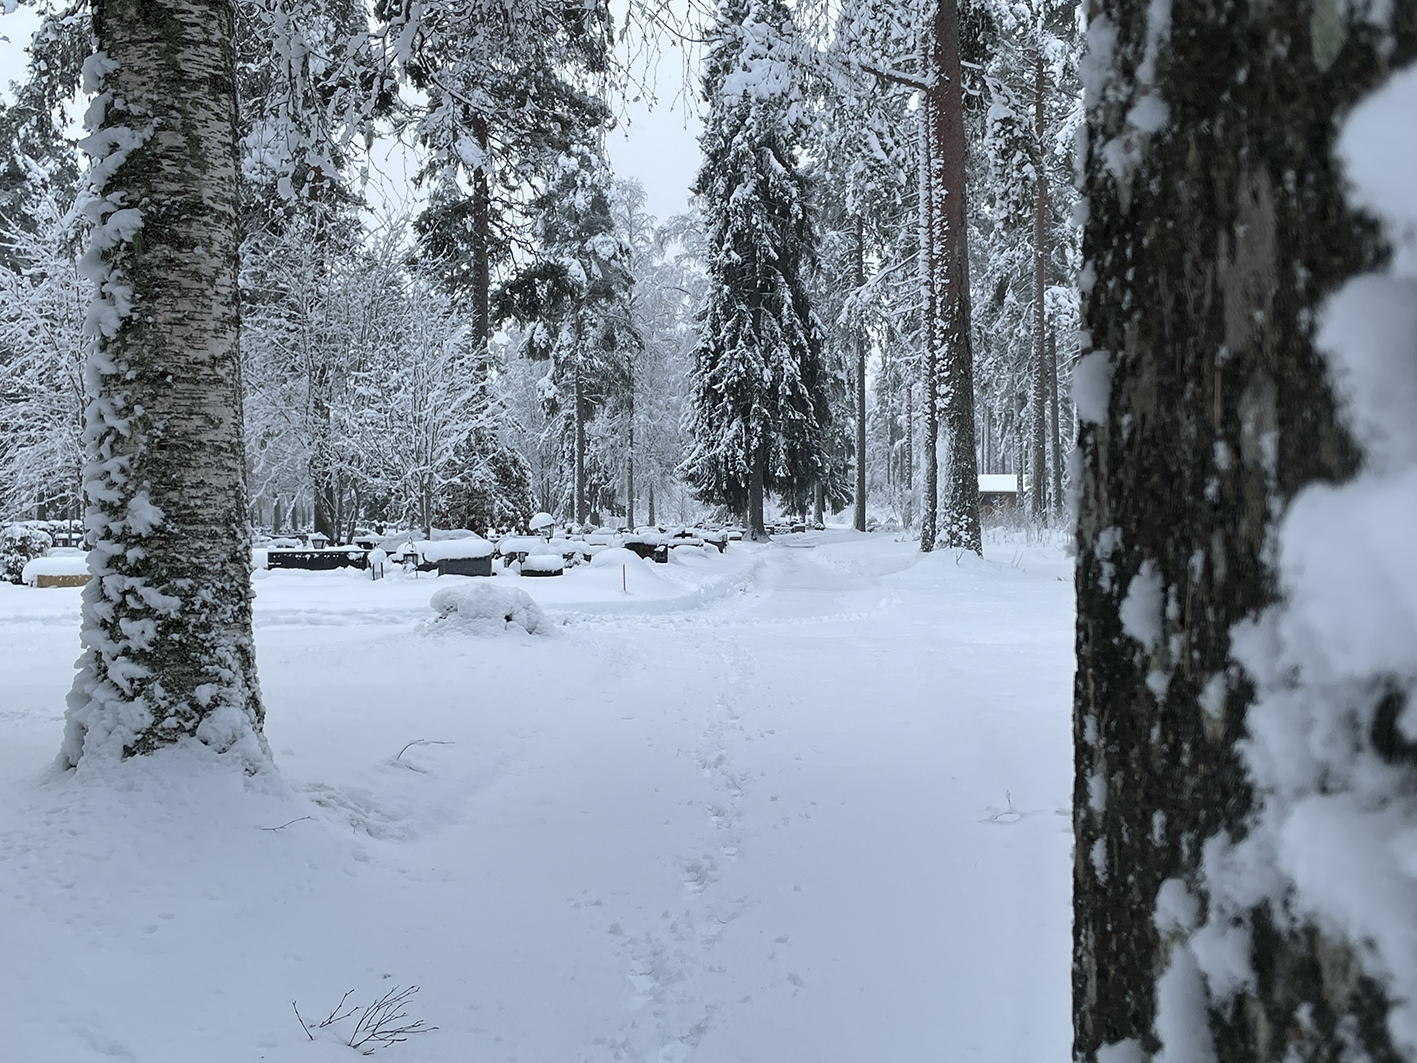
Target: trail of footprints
{"x":671,"y":1005}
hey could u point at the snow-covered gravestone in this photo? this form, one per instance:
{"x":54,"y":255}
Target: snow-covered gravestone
{"x":488,"y":608}
{"x":168,"y":653}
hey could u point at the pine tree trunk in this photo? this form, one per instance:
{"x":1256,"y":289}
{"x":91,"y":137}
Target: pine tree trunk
{"x":1038,"y":491}
{"x":1214,"y":241}
{"x":580,"y":449}
{"x":630,"y":468}
{"x":1055,"y":466}
{"x":909,"y":467}
{"x":167,"y":618}
{"x":481,"y":243}
{"x":819,"y":503}
{"x":651,"y":506}
{"x":757,"y":529}
{"x":929,"y":329}
{"x":950,"y":266}
{"x":859,"y":521}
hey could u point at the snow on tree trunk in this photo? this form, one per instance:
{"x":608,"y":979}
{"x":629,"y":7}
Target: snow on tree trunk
{"x":958,"y":520}
{"x":167,"y":618}
{"x":859,"y":279}
{"x":929,"y":330}
{"x":1215,"y":234}
{"x":1055,"y":467}
{"x":1038,"y":495}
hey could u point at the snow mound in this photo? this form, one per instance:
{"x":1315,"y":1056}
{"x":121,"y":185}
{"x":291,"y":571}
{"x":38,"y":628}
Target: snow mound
{"x":67,"y":564}
{"x":468,"y":546}
{"x":543,"y":565}
{"x":487,"y":606}
{"x":613,"y":556}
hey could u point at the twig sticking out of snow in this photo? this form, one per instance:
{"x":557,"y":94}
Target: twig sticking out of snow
{"x":284,"y":825}
{"x":382,"y":1022}
{"x":421,"y":742}
{"x":380,"y":1025}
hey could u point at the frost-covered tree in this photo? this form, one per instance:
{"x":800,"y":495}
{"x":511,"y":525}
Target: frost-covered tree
{"x":667,"y":263}
{"x":1243,"y":880}
{"x":759,"y":412}
{"x":575,"y":305}
{"x":1025,"y":242}
{"x":509,"y":93}
{"x":167,"y":641}
{"x":43,"y":299}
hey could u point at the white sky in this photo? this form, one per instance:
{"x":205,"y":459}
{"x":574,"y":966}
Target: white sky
{"x":656,"y":145}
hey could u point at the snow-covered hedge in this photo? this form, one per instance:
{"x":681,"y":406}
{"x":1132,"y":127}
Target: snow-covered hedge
{"x":18,"y":546}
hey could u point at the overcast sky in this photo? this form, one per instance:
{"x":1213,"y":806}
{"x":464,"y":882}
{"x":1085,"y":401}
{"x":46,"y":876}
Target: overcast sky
{"x":658,"y":146}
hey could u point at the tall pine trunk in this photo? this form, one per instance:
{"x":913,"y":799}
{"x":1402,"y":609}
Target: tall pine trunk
{"x":630,"y":464}
{"x":167,"y":641}
{"x":481,"y":244}
{"x":580,"y":449}
{"x":1038,"y":491}
{"x":757,"y":528}
{"x":1055,"y":465}
{"x":859,"y":516}
{"x":949,"y":264}
{"x":929,"y":328}
{"x":1216,"y":230}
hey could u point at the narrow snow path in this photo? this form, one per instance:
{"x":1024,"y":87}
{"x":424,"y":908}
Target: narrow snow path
{"x":823,"y":818}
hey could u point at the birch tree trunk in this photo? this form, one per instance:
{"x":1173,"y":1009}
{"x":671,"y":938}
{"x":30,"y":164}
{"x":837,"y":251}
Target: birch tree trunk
{"x":166,"y":630}
{"x":1217,"y":228}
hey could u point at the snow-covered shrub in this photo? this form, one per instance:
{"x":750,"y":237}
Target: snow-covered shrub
{"x":18,"y":546}
{"x":489,"y":607}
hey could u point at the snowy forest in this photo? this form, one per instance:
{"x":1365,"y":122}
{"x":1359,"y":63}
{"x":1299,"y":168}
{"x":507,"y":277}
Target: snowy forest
{"x":948,"y":591}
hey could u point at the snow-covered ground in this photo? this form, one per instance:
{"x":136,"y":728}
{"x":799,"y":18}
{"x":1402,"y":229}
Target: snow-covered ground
{"x":807,"y":801}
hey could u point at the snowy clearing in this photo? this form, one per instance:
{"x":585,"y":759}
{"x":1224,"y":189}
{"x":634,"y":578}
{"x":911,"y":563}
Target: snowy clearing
{"x":803,"y":801}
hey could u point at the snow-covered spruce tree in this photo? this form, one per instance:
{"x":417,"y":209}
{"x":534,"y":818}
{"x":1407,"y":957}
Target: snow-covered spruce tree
{"x":506,"y":99}
{"x":759,"y":412}
{"x":1243,"y":884}
{"x":575,"y":305}
{"x":167,"y":641}
{"x":43,"y":299}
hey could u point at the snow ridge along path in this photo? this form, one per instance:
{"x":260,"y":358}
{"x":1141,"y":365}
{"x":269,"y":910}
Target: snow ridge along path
{"x":802,"y":801}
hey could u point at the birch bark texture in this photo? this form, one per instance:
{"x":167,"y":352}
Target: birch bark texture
{"x":1216,"y":232}
{"x":166,"y":628}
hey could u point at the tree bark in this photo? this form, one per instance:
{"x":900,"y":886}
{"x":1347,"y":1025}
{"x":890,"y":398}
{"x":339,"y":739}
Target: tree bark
{"x":651,"y":505}
{"x":630,"y":467}
{"x":859,"y":521}
{"x":1038,"y":489}
{"x":167,"y":619}
{"x":580,"y":449}
{"x":1214,"y":241}
{"x":757,"y":528}
{"x":481,"y":243}
{"x":1055,"y":466}
{"x":949,"y":260}
{"x":929,"y":326}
